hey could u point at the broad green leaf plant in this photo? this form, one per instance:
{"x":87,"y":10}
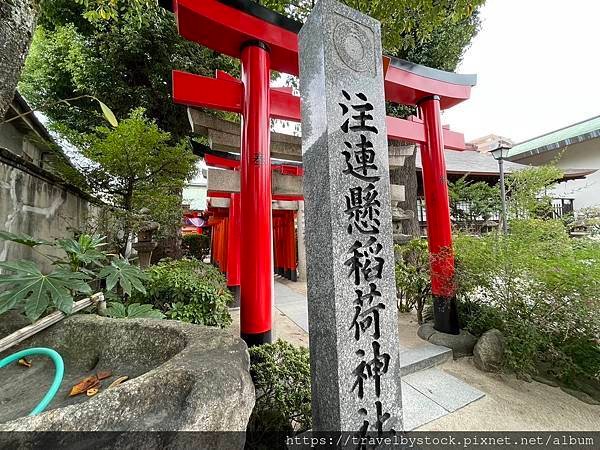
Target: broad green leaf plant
{"x":81,"y":271}
{"x":123,"y":274}
{"x":38,"y":291}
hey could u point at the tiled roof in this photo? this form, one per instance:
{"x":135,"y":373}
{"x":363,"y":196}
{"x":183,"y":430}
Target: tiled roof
{"x":476,"y":163}
{"x":579,"y":132}
{"x":473,"y":162}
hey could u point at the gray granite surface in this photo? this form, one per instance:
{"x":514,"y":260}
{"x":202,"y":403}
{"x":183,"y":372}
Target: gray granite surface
{"x":418,"y":406}
{"x":355,"y":366}
{"x":449,"y":392}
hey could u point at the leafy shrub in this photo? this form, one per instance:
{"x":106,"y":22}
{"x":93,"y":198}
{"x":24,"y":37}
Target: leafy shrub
{"x":472,"y":204}
{"x":196,"y":246}
{"x":588,"y":219}
{"x":281,"y":376}
{"x":413,"y":283}
{"x":84,"y":266}
{"x":585,"y":356}
{"x":526,"y":191}
{"x":188,"y":290}
{"x":537,"y":285}
{"x":540,"y":288}
{"x":476,"y":316}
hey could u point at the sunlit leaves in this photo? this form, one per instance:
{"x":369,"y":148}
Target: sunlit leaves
{"x":84,"y":251}
{"x":23,"y":285}
{"x":106,"y":10}
{"x":108,"y":114}
{"x":526,"y":189}
{"x":434,"y":33}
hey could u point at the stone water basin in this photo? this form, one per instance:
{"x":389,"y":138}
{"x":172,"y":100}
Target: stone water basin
{"x":181,"y":377}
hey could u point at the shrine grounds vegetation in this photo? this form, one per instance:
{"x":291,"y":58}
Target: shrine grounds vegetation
{"x":541,"y":288}
{"x":188,"y":290}
{"x":281,"y":376}
{"x":81,"y":267}
{"x":196,"y":246}
{"x":538,"y":286}
{"x":413,"y":284}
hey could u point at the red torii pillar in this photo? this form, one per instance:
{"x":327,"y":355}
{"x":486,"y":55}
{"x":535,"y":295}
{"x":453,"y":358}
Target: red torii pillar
{"x":248,"y":31}
{"x":439,"y":227}
{"x":233,"y":241}
{"x":284,"y":233}
{"x":256,"y":283}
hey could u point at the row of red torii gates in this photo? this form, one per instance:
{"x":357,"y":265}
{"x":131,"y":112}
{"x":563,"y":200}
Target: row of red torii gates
{"x":264,"y":40}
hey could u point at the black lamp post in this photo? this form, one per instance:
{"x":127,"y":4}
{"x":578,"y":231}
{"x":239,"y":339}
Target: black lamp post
{"x":500,"y":153}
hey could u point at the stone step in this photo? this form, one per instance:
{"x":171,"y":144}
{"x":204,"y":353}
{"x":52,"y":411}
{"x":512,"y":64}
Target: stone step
{"x":433,"y":393}
{"x":423,"y":357}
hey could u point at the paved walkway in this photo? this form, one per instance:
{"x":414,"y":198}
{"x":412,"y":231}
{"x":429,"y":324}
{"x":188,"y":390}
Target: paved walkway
{"x":292,"y":304}
{"x":428,"y":393}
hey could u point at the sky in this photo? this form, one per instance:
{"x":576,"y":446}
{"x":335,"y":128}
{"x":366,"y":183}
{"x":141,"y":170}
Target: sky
{"x":538,"y":69}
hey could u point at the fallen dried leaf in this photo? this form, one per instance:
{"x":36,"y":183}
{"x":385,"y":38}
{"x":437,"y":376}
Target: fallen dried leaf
{"x":104,"y":374}
{"x":118,"y":381}
{"x":92,"y":391}
{"x":24,"y":362}
{"x":84,"y":385}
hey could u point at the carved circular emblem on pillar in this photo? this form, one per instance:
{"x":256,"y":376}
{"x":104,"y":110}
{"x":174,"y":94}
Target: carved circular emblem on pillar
{"x":353,"y":45}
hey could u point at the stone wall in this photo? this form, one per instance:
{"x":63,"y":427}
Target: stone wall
{"x":38,"y":203}
{"x":11,"y":138}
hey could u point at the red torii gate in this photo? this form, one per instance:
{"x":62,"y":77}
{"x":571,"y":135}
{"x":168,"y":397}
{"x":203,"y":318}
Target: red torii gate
{"x":227,"y":226}
{"x":265,"y":41}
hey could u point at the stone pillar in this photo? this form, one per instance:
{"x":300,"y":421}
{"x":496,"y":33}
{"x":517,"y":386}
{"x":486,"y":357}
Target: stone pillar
{"x":146,"y":244}
{"x":353,"y":321}
{"x":301,"y":244}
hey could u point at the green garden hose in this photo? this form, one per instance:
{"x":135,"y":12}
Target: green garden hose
{"x":58,"y":374}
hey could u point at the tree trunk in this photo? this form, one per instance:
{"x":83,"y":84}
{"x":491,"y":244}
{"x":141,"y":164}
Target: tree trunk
{"x":407,"y":176}
{"x":125,"y":249}
{"x":17,"y":23}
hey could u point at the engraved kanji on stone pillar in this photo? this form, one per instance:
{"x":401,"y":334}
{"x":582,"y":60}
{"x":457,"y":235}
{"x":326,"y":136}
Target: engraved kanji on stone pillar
{"x":351,"y":286}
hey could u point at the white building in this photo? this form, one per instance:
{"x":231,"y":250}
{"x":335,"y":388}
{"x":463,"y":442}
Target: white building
{"x":575,"y":147}
{"x":194,"y":193}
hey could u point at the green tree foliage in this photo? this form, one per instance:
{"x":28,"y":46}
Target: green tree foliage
{"x":125,"y":61}
{"x":126,"y":50}
{"x":537,"y":285}
{"x":97,"y":10}
{"x":413,"y":283}
{"x":422,"y":31}
{"x":527,"y":191}
{"x":473,"y":203}
{"x":541,"y":288}
{"x":135,"y":165}
{"x":435,"y":34}
{"x":196,"y":245}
